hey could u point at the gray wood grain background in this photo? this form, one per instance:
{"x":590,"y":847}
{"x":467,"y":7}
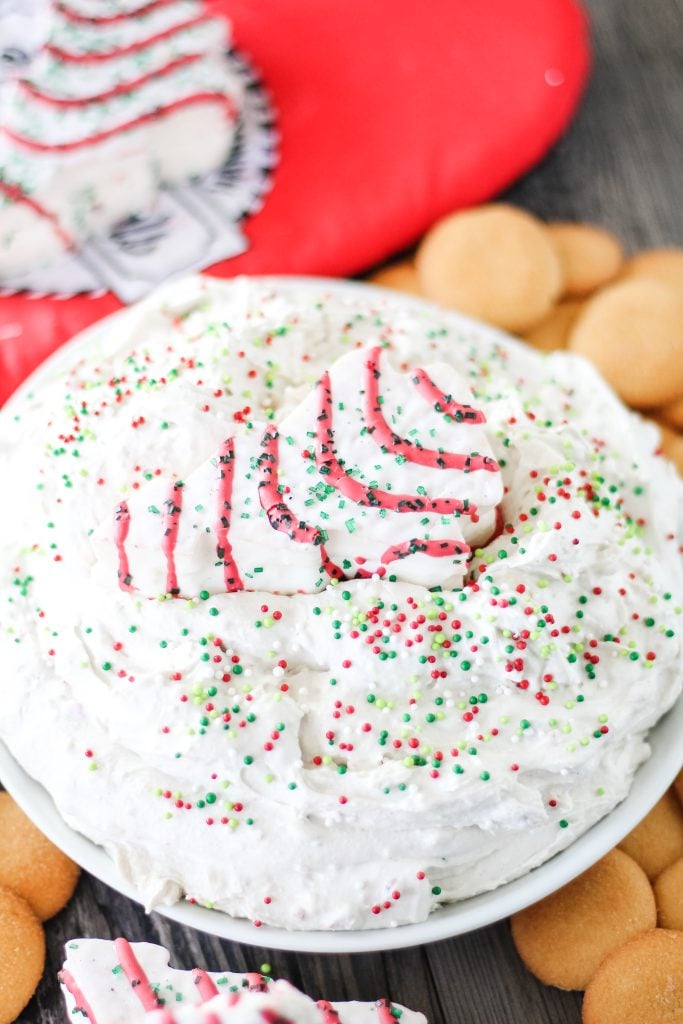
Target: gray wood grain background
{"x":619,"y":165}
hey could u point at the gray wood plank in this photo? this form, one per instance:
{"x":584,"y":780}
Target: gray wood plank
{"x":619,"y":165}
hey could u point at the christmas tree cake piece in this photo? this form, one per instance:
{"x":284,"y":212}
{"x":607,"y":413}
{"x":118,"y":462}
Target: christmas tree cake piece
{"x":111,"y":982}
{"x":377,"y":472}
{"x":122,"y":99}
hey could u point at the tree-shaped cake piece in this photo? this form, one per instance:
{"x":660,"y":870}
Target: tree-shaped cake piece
{"x":123,"y":98}
{"x":109,"y":982}
{"x":376,"y":472}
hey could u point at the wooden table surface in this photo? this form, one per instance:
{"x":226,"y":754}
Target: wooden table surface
{"x":619,"y":165}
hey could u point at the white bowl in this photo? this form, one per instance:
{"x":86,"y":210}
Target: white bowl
{"x":650,"y":782}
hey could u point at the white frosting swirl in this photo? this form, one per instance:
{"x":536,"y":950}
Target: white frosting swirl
{"x":355,"y":757}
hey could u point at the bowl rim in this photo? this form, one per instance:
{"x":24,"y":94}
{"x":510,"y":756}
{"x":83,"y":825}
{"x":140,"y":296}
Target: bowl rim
{"x":651,"y":779}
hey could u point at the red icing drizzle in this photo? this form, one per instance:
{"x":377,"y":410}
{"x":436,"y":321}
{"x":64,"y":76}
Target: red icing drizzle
{"x":120,"y":89}
{"x":173,"y":506}
{"x":110,"y":19}
{"x":121,"y":528}
{"x":122,"y":51}
{"x":17,"y":195}
{"x":135,"y":974}
{"x":384,"y":1014}
{"x":153,"y":115}
{"x":278,"y":512}
{"x":330,"y":1015}
{"x":381,"y":432}
{"x":205,"y":985}
{"x":256,"y":982}
{"x":444,"y":403}
{"x":226,"y":472}
{"x":432,"y":548}
{"x":82,"y":1006}
{"x":331,"y":469}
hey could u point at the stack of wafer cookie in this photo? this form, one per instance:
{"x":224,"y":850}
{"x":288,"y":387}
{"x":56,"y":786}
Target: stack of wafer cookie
{"x":36,"y":881}
{"x":617,"y":930}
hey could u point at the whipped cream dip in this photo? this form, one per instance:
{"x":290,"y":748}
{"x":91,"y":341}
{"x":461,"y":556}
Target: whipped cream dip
{"x":280,"y":686}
